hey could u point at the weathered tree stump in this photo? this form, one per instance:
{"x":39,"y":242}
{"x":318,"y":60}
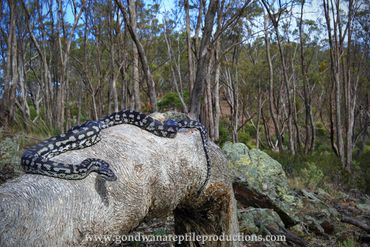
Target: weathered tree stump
{"x":156,"y":177}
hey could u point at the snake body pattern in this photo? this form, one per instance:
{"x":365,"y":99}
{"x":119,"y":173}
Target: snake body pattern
{"x":37,"y":158}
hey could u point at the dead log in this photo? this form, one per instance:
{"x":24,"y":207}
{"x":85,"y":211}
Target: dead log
{"x":250,"y":197}
{"x":355,"y":222}
{"x":156,"y":177}
{"x":290,"y":236}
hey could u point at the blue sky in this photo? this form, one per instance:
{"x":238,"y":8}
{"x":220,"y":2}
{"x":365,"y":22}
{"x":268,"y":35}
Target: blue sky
{"x":312,"y":9}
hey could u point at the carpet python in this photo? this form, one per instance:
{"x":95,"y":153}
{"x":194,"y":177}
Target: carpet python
{"x":37,"y":158}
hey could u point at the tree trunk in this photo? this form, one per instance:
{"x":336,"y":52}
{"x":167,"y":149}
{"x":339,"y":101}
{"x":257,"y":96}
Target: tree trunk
{"x":308,"y":143}
{"x":208,"y":102}
{"x":275,"y":23}
{"x":23,"y":105}
{"x":342,"y":78}
{"x":122,"y":72}
{"x":216,"y":78}
{"x":274,"y":116}
{"x":259,"y":109}
{"x":11,"y":76}
{"x":113,"y":99}
{"x":135,"y":60}
{"x":203,"y":61}
{"x":233,"y":100}
{"x":188,"y":44}
{"x":267,"y":131}
{"x":351,"y":89}
{"x":143,"y":58}
{"x":235,"y":112}
{"x":64,"y":53}
{"x":157,"y":178}
{"x":289,"y":97}
{"x":216,"y":92}
{"x":175,"y":69}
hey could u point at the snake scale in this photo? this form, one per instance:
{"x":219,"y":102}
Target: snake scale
{"x":36,"y":159}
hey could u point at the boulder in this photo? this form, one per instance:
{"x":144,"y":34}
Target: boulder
{"x":260,"y":181}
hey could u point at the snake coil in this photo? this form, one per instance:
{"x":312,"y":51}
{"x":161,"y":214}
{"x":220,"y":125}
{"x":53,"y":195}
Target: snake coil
{"x":36,"y":159}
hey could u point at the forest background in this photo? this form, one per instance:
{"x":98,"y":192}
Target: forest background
{"x":288,"y":77}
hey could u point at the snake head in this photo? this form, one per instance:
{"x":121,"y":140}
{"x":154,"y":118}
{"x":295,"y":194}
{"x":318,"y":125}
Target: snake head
{"x":101,"y":167}
{"x":170,"y":123}
{"x":171,"y":126}
{"x":105,"y":172}
{"x":92,"y":123}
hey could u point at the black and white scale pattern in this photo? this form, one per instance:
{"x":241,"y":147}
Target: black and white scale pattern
{"x":37,"y":158}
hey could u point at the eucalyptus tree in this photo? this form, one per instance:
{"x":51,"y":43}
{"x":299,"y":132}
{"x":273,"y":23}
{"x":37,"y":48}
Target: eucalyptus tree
{"x":345,"y":75}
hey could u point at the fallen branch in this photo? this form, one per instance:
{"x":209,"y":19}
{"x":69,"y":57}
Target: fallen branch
{"x":290,"y":236}
{"x":356,"y":222}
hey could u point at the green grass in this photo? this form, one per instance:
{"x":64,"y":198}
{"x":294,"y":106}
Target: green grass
{"x":309,"y":168}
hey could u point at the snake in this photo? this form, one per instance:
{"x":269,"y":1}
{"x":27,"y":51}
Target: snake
{"x":37,"y":158}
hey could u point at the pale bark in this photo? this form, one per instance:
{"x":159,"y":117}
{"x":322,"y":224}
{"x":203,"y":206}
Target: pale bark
{"x":188,"y":44}
{"x":233,"y":100}
{"x":155,"y":176}
{"x":64,"y":54}
{"x":275,"y":23}
{"x":22,"y":103}
{"x":259,"y":109}
{"x":135,"y":100}
{"x":216,"y":73}
{"x":309,"y":125}
{"x":198,"y":25}
{"x":335,"y":67}
{"x":203,"y":61}
{"x":274,"y":115}
{"x":113,"y":95}
{"x":11,"y":76}
{"x":208,"y":102}
{"x":216,"y":93}
{"x":144,"y":61}
{"x":85,"y":71}
{"x":345,"y":85}
{"x":124,"y":86}
{"x":45,"y":68}
{"x":175,"y":69}
{"x":351,"y":92}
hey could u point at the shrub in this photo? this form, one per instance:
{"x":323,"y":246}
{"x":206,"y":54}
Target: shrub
{"x":9,"y":152}
{"x":245,"y":135}
{"x":348,"y":243}
{"x":9,"y":157}
{"x":223,"y":132}
{"x":171,"y":101}
{"x":312,"y":175}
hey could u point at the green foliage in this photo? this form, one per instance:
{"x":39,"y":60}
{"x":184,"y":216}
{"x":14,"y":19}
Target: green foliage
{"x":223,"y":132}
{"x":246,"y":134}
{"x":322,"y":138}
{"x":160,"y":231}
{"x":171,"y":101}
{"x":38,"y":127}
{"x":244,"y":137}
{"x":135,"y":243}
{"x":312,"y":175}
{"x":362,"y":160}
{"x":9,"y":154}
{"x":323,"y":166}
{"x":350,"y":242}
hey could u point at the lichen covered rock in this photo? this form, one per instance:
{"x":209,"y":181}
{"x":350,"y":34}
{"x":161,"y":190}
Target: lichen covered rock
{"x":265,"y":178}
